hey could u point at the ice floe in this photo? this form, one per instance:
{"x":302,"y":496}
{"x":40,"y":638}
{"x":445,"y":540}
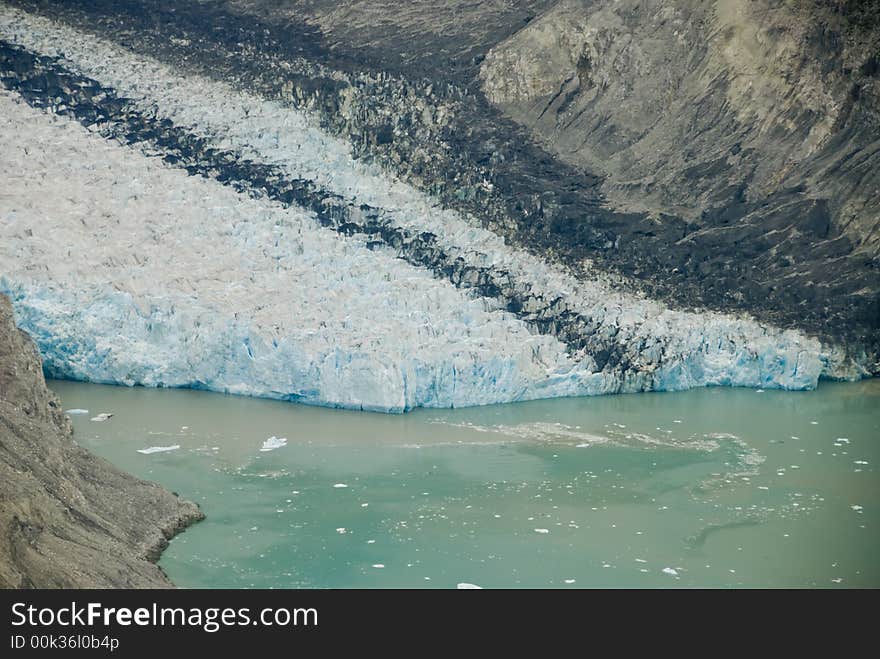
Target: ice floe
{"x":273,"y":443}
{"x":158,"y":449}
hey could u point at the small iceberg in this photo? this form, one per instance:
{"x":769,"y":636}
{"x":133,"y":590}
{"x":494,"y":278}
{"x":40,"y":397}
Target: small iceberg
{"x":158,"y":449}
{"x":670,"y":571}
{"x":77,"y":410}
{"x":103,"y":416}
{"x":468,"y":586}
{"x":274,"y":442}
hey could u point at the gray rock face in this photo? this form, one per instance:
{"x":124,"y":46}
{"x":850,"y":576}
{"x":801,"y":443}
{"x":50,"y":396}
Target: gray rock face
{"x":69,"y":519}
{"x":688,"y":107}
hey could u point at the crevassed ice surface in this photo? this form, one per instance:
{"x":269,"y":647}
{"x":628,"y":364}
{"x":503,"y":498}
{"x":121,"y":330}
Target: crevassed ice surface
{"x":127,"y":271}
{"x":351,"y":343}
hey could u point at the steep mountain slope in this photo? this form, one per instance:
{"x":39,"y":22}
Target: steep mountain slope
{"x":68,"y":518}
{"x":735,"y":107}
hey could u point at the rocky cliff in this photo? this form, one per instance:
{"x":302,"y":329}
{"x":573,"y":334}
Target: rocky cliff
{"x":69,"y":519}
{"x":741,"y":107}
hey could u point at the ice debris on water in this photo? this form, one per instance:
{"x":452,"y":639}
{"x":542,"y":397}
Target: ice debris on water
{"x":158,"y":449}
{"x":542,"y":531}
{"x":468,"y":586}
{"x":77,"y":410}
{"x":103,"y":416}
{"x":273,"y":443}
{"x":340,"y":485}
{"x":670,"y":571}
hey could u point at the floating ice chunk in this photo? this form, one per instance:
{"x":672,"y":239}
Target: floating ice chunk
{"x":341,"y":530}
{"x":274,"y":442}
{"x":103,"y":416}
{"x":861,"y":462}
{"x":857,"y":508}
{"x":158,"y":449}
{"x":569,"y":581}
{"x":468,"y":586}
{"x":77,"y":410}
{"x":670,"y":571}
{"x":340,"y":485}
{"x":542,"y":531}
{"x":378,"y":565}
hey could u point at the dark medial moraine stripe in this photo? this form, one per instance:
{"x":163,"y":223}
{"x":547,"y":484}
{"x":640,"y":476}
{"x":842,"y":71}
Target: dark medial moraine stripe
{"x":44,"y":82}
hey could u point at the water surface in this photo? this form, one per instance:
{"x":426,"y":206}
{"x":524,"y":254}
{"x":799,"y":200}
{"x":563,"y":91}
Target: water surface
{"x":711,"y":487}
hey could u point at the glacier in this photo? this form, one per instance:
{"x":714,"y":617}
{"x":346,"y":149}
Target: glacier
{"x":128,"y":271}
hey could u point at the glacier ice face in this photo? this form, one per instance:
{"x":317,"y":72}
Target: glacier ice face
{"x":127,"y":271}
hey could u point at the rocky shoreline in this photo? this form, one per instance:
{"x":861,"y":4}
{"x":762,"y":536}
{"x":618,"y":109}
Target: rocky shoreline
{"x":69,"y":519}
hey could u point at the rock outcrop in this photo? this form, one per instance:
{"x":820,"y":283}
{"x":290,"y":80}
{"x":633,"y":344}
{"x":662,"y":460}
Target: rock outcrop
{"x":69,"y":519}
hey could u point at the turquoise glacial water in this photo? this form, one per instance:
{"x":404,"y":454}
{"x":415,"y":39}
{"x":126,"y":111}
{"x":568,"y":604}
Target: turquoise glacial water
{"x":705,"y":488}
